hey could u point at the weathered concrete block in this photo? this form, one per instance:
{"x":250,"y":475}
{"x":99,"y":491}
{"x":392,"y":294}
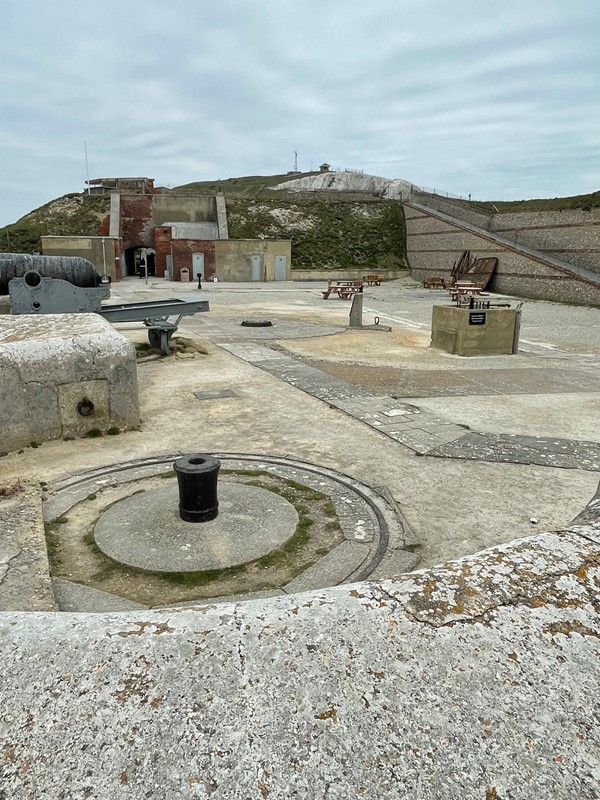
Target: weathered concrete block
{"x":63,"y":374}
{"x":473,"y":332}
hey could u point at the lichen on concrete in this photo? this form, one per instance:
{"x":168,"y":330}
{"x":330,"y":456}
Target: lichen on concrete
{"x":476,"y":679}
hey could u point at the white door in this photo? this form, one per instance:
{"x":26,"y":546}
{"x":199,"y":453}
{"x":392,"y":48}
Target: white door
{"x":197,"y":265}
{"x":256,"y":263}
{"x":281,"y":268}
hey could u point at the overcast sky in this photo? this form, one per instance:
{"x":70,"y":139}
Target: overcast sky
{"x":500,"y":100}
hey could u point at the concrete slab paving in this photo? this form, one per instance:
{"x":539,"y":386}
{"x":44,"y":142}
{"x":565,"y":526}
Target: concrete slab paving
{"x":72,"y":597}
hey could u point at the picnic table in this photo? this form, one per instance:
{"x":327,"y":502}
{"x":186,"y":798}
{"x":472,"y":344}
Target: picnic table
{"x":435,"y":282}
{"x":344,"y":289}
{"x":465,"y":289}
{"x":373,"y":280}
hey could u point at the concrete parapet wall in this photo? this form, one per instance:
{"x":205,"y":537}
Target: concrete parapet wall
{"x":471,"y":680}
{"x":102,"y":251}
{"x":52,"y":363}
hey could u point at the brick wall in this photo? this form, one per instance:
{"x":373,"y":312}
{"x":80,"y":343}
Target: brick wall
{"x":182,"y":251}
{"x":136,"y":226}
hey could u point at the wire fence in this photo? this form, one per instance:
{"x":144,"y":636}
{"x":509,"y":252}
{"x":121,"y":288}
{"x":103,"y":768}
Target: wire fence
{"x":449,"y":195}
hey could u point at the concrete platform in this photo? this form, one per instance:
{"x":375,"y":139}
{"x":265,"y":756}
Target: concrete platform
{"x":145,"y":530}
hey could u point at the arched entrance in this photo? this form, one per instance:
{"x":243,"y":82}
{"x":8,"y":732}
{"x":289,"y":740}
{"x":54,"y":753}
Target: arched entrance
{"x":137,"y":260}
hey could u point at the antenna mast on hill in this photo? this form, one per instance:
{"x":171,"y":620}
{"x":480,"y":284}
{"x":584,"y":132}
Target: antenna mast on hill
{"x":87,"y":170}
{"x":295,"y":161}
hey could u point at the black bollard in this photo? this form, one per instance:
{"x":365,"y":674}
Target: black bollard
{"x":197,"y":478}
{"x":199,"y":280}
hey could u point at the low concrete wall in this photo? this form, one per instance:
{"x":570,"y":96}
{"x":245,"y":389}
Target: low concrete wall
{"x":63,"y":374}
{"x":345,"y":274}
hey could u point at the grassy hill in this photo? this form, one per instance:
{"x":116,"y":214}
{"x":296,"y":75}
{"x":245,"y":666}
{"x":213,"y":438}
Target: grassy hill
{"x":251,"y":185}
{"x":326,"y":233}
{"x":71,"y":214}
{"x":584,"y":202}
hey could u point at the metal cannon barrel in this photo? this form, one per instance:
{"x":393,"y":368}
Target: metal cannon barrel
{"x":74,"y":269}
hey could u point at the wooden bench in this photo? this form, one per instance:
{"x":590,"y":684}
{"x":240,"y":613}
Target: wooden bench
{"x":346,"y":287}
{"x":373,"y":280}
{"x":434,"y":282}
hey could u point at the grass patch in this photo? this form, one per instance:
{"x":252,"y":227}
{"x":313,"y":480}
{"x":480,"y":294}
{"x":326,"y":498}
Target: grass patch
{"x":329,"y":509}
{"x":273,"y":559}
{"x":34,"y":445}
{"x":108,"y":567}
{"x":114,"y":431}
{"x":51,"y":530}
{"x":199,"y":578}
{"x":306,"y":545}
{"x":94,"y":433}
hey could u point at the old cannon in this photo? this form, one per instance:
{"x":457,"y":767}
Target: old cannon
{"x":35,"y":288}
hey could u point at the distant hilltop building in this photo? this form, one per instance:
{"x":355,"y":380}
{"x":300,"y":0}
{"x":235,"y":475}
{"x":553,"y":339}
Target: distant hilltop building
{"x":324,"y":167}
{"x":125,"y":185}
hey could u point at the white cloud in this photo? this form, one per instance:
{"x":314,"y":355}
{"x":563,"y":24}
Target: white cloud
{"x":463,"y":96}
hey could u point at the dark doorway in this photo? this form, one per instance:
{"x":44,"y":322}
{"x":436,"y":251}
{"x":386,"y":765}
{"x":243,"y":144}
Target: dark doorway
{"x":138,"y":260}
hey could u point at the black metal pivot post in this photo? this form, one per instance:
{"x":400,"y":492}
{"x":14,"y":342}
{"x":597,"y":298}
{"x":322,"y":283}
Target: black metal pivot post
{"x":197,"y":478}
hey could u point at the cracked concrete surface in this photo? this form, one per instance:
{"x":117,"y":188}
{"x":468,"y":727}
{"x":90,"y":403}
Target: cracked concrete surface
{"x":479,"y":676}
